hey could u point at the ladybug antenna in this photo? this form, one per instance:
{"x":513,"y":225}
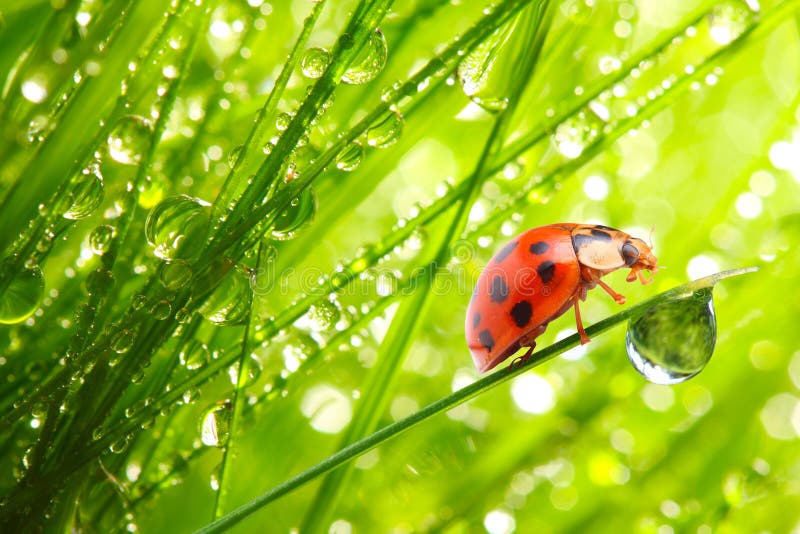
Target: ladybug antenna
{"x":650,"y":237}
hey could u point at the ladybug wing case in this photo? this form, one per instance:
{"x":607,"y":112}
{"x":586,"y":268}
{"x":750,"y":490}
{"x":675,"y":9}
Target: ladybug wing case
{"x":529,"y":282}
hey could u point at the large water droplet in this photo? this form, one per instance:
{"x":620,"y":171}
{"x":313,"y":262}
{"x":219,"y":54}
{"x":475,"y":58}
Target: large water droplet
{"x":129,"y":139}
{"x":369,"y":61}
{"x":386,"y":130}
{"x":176,"y":227}
{"x":300,"y":213}
{"x":673,"y":341}
{"x":215,"y":426}
{"x":86,"y":194}
{"x":350,"y":157}
{"x":315,"y":61}
{"x":230,"y":302}
{"x":21,"y":297}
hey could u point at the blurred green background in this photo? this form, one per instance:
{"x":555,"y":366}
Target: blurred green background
{"x":678,"y":116}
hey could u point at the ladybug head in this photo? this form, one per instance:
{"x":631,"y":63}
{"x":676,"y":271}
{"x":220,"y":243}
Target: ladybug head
{"x":638,"y":255}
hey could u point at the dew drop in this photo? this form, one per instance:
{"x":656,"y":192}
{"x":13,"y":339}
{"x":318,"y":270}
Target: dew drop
{"x":87,"y":193}
{"x":574,"y":134}
{"x":369,"y":61}
{"x":300,"y":213}
{"x":129,"y":139}
{"x":728,"y":20}
{"x":215,"y":425}
{"x":176,"y":227}
{"x":176,"y":275}
{"x":386,"y":130}
{"x":21,"y":296}
{"x":101,"y":237}
{"x":674,"y":340}
{"x":350,"y":157}
{"x":314,"y":62}
{"x":230,"y":302}
{"x":122,"y":341}
{"x":194,"y":355}
{"x":252,"y":371}
{"x":282,"y":122}
{"x":323,"y":315}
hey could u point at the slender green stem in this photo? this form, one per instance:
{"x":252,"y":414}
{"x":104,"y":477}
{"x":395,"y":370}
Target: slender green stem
{"x":459,"y":397}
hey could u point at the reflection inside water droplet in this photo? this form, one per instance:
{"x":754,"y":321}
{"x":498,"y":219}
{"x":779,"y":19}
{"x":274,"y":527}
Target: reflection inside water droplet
{"x":673,"y":341}
{"x":129,"y":140}
{"x":215,"y":425}
{"x":300,"y":213}
{"x":369,"y":61}
{"x":21,"y":296}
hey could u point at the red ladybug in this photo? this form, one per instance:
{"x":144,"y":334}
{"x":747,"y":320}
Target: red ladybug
{"x":540,"y":275}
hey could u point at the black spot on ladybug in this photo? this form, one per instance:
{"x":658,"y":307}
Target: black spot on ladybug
{"x":505,"y":251}
{"x":486,"y":339}
{"x":476,"y":319}
{"x":601,"y":235}
{"x":522,"y":312}
{"x":579,"y":240}
{"x":540,"y":247}
{"x":546,"y":270}
{"x":499,"y":289}
{"x":630,"y":253}
{"x":600,"y":226}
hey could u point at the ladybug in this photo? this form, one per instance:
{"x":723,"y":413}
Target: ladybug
{"x":538,"y":276}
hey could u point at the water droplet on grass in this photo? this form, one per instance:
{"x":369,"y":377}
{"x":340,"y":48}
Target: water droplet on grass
{"x":129,"y":140}
{"x":176,"y":275}
{"x":674,"y":340}
{"x":215,"y":425}
{"x":315,"y":61}
{"x":194,"y":355}
{"x":21,"y":297}
{"x":350,"y":157}
{"x":176,"y":227}
{"x":386,"y":130}
{"x":122,"y":341}
{"x":86,"y":194}
{"x":369,"y":61}
{"x":300,"y":213}
{"x":230,"y":302}
{"x":728,"y":20}
{"x":101,"y":237}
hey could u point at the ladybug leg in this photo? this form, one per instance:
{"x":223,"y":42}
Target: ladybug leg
{"x":620,"y":299}
{"x":528,"y":340}
{"x":516,"y":363}
{"x":584,"y":338}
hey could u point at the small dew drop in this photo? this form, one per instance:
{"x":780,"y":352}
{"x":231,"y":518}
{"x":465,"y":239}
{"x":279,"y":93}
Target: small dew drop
{"x":350,"y":157}
{"x":314,"y":62}
{"x":122,"y":341}
{"x":22,"y":295}
{"x":299,"y":213}
{"x":674,"y":340}
{"x":129,"y":140}
{"x":386,"y":130}
{"x":369,"y":61}
{"x":86,"y":193}
{"x":230,"y":302}
{"x":101,"y":237}
{"x":215,"y":425}
{"x":176,"y":227}
{"x":728,"y":20}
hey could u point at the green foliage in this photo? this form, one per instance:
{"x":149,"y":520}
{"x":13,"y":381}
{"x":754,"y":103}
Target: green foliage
{"x":238,"y":240}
